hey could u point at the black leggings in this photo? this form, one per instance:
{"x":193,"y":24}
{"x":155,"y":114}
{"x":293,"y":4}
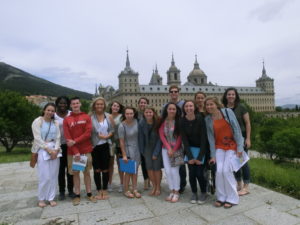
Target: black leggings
{"x":97,"y":178}
{"x":63,"y":171}
{"x":196,"y":173}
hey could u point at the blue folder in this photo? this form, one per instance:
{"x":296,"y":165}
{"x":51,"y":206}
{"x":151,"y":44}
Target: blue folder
{"x":129,"y":167}
{"x":195,"y":152}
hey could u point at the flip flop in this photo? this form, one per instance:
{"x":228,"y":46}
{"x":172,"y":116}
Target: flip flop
{"x":218,"y":204}
{"x":243,"y":192}
{"x":227,"y":205}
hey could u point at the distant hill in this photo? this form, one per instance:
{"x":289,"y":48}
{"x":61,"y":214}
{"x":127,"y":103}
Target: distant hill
{"x":288,"y":106}
{"x":14,"y":79}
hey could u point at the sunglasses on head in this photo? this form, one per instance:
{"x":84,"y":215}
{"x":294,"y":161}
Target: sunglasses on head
{"x":173,"y":91}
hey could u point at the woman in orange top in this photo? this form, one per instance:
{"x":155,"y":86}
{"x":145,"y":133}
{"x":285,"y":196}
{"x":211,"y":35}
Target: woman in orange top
{"x":226,"y":141}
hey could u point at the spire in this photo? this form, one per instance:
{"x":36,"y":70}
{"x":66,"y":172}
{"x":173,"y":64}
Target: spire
{"x":196,"y":64}
{"x":96,"y":91}
{"x":127,"y":60}
{"x":173,"y":62}
{"x":264,"y":74}
{"x":156,"y":70}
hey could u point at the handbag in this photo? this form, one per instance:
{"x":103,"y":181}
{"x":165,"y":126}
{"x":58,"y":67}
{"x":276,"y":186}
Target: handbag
{"x":178,"y":158}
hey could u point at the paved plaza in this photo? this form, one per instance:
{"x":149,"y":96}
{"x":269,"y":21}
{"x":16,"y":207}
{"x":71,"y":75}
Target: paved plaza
{"x":18,"y":205}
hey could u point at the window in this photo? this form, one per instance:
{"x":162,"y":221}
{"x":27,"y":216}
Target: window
{"x":175,"y":76}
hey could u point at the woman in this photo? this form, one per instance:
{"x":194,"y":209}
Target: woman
{"x":171,"y":139}
{"x":150,"y":148}
{"x":231,"y":99}
{"x":128,"y":136}
{"x":62,"y":104}
{"x":225,"y":141}
{"x":101,"y":133}
{"x":199,"y":100}
{"x":115,"y":111}
{"x":194,"y":140}
{"x":142,"y":104}
{"x":46,"y":145}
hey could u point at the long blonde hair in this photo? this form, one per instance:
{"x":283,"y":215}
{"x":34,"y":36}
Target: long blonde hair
{"x":92,"y":108}
{"x":215,"y":100}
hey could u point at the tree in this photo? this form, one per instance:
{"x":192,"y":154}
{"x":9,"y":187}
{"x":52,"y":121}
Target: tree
{"x":16,"y":116}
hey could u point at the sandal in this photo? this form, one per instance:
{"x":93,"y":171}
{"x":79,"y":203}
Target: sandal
{"x":137,"y":194}
{"x":105,"y":195}
{"x":52,"y":203}
{"x":99,"y":196}
{"x":175,"y":198}
{"x":169,"y":198}
{"x":42,"y":204}
{"x":227,"y":205}
{"x":218,"y":204}
{"x":128,"y":194}
{"x":243,"y":192}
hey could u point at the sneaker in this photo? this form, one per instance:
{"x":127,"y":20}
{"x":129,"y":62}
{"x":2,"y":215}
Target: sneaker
{"x":120,"y":188}
{"x":61,"y":196}
{"x":72,"y":194}
{"x":76,"y":201}
{"x":202,"y":198}
{"x":91,"y":199}
{"x":194,"y":198}
{"x":181,"y":190}
{"x":109,"y":188}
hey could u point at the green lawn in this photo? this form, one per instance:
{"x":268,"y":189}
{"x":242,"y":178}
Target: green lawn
{"x":281,"y":177}
{"x":18,"y":154}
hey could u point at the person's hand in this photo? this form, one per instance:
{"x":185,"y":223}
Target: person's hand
{"x":198,"y":162}
{"x":170,"y":152}
{"x":191,"y":162}
{"x":70,"y":143}
{"x":125,"y":159}
{"x":77,"y":157}
{"x":239,"y":154}
{"x":102,"y":136}
{"x":154,"y":157}
{"x":247,"y":143}
{"x":53,"y":154}
{"x":212,"y":161}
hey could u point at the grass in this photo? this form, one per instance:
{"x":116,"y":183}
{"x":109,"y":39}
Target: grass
{"x":281,"y":177}
{"x":18,"y":154}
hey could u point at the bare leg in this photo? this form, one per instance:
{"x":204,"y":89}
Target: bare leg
{"x":157,"y":178}
{"x":76,"y":180}
{"x":87,"y":181}
{"x":153,"y":181}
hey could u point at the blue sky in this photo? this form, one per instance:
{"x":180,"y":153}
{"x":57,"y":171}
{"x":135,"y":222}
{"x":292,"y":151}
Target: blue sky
{"x":80,"y":43}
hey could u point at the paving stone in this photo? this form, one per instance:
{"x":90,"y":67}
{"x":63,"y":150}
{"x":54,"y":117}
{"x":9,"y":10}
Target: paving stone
{"x":152,"y":221}
{"x":235,"y":220}
{"x":66,"y":208}
{"x":115,"y":216}
{"x":295,"y":212}
{"x":62,"y":220}
{"x":20,"y":215}
{"x":269,"y":215}
{"x":183,"y":217}
{"x":118,"y":200}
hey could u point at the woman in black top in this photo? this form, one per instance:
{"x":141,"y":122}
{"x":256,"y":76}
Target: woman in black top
{"x":194,"y":140}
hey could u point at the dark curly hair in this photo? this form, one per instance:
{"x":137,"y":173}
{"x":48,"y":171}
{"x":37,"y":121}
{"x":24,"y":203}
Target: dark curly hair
{"x":237,"y":97}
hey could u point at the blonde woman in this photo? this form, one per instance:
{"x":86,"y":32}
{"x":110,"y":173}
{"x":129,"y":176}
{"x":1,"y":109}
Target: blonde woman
{"x":102,"y":132}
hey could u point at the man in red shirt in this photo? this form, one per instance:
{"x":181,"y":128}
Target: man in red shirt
{"x":77,"y":130}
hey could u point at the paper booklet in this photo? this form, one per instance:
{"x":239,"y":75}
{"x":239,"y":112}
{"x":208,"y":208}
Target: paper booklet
{"x":237,"y":163}
{"x":81,"y":164}
{"x":46,"y":155}
{"x":129,"y":167}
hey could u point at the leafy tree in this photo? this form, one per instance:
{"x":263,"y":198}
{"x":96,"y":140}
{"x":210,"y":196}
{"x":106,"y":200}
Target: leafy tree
{"x":286,"y":143}
{"x":16,"y":116}
{"x":85,"y":105}
{"x":278,"y":109}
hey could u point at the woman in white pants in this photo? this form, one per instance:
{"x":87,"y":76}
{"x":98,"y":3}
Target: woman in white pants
{"x":46,"y":149}
{"x":226,"y":141}
{"x":169,"y":134}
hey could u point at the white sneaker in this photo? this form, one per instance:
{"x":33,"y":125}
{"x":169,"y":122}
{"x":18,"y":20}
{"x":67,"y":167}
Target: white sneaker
{"x":109,"y":188}
{"x":120,"y":188}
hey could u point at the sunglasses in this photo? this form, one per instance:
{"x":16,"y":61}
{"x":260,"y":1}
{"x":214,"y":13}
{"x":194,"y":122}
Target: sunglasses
{"x":173,"y":91}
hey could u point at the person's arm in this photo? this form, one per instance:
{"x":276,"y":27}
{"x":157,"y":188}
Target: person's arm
{"x":178,"y":143}
{"x":163,"y":138}
{"x":246,"y":118}
{"x":237,"y":133}
{"x":185,"y":142}
{"x":57,"y":140}
{"x":36,"y":130}
{"x":122,"y":137}
{"x":211,"y":138}
{"x":141,"y":137}
{"x":68,"y":137}
{"x":157,"y":149}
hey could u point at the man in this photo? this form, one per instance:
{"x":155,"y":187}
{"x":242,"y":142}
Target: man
{"x":174,"y":97}
{"x":77,"y":130}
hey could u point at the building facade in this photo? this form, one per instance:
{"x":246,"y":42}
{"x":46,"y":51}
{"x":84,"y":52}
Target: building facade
{"x":259,"y":97}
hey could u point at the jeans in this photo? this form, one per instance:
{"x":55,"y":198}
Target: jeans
{"x":196,"y":173}
{"x":182,"y":174}
{"x":243,"y":172}
{"x":62,"y":172}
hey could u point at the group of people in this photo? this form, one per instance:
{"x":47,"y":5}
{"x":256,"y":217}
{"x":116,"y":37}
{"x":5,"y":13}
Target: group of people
{"x":200,"y":133}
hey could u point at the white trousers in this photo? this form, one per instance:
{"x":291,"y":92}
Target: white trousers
{"x":172,"y":173}
{"x":47,"y":176}
{"x":225,"y":181}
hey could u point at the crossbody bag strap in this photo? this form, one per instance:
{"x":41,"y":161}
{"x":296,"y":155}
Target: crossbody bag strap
{"x":48,"y":131}
{"x":229,"y":119}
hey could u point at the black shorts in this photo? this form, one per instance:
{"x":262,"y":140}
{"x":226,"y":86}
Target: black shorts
{"x":101,"y":157}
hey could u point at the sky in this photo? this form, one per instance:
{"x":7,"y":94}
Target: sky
{"x":79,"y":44}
